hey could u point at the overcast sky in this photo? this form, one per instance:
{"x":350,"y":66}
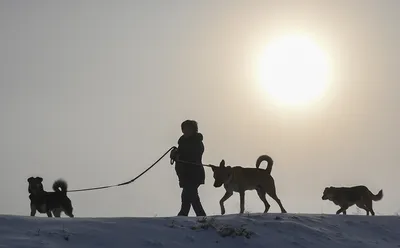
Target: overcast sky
{"x":95,"y":91}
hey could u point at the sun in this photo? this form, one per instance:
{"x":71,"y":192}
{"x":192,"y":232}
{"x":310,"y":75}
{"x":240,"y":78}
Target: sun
{"x":295,"y":71}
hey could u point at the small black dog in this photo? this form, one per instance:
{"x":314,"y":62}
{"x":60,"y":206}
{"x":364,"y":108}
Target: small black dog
{"x":49,"y":202}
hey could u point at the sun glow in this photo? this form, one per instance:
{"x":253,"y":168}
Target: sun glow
{"x":294,"y":71}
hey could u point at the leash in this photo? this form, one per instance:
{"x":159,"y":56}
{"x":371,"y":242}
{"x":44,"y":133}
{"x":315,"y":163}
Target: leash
{"x":172,"y":160}
{"x":128,"y":182}
{"x":192,"y":163}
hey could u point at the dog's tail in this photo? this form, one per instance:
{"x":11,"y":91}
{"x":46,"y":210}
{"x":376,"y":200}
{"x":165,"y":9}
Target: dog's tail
{"x":378,"y":196}
{"x":269,"y":161}
{"x":60,"y":186}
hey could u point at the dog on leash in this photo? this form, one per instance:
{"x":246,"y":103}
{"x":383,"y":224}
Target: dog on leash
{"x":346,"y":197}
{"x":239,"y":179}
{"x":49,"y":202}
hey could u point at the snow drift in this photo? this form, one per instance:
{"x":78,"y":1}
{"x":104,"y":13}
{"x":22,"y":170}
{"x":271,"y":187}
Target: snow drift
{"x":248,"y":230}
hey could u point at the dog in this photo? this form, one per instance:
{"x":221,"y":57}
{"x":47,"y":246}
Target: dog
{"x":49,"y":202}
{"x":346,"y":197}
{"x":239,"y":179}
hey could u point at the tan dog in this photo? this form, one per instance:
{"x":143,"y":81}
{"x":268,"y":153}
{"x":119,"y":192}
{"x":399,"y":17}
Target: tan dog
{"x":239,"y":179}
{"x":346,"y":197}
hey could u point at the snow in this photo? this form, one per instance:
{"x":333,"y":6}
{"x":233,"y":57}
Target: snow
{"x":248,"y":230}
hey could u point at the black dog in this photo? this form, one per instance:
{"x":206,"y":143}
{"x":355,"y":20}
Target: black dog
{"x":49,"y":202}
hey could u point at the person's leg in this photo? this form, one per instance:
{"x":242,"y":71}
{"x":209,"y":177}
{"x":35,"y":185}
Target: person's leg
{"x":196,"y":203}
{"x":185,"y":202}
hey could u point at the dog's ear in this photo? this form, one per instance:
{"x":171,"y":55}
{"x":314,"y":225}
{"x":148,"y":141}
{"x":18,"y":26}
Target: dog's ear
{"x":222,"y":164}
{"x":39,"y":179}
{"x":30,"y":179}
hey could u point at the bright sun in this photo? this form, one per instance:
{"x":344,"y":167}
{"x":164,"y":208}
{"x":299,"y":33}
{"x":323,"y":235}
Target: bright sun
{"x":294,"y":71}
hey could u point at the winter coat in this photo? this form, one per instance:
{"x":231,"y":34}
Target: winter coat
{"x":190,"y":149}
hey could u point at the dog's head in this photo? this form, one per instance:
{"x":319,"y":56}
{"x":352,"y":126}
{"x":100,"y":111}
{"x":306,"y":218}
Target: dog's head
{"x":35,"y":185}
{"x":328,"y":193}
{"x":221,"y":174}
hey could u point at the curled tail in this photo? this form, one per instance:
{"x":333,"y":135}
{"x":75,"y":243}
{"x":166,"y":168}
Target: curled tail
{"x":60,"y":186}
{"x":378,"y":196}
{"x":269,"y":161}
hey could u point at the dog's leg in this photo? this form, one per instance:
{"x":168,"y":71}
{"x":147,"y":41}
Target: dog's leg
{"x":69,"y":214}
{"x":57,"y":213}
{"x":241,"y":193}
{"x":227,"y":195}
{"x":342,"y":209}
{"x":272,"y":193}
{"x":33,"y":210}
{"x":368,"y":205}
{"x":261,"y":194}
{"x":67,"y":208}
{"x":49,"y":214}
{"x":362,"y":206}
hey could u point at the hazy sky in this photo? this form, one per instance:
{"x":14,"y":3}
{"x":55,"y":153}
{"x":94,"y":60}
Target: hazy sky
{"x":95,"y":91}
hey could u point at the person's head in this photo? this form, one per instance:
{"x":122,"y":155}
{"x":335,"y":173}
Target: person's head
{"x":189,"y":127}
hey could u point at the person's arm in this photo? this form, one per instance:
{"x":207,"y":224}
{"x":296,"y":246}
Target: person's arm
{"x":173,"y":155}
{"x":179,"y":148}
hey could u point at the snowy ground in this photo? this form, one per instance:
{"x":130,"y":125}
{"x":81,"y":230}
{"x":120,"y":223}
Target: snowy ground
{"x":255,"y":230}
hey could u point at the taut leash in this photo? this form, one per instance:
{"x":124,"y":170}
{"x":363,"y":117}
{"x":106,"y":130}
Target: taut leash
{"x":125,"y":183}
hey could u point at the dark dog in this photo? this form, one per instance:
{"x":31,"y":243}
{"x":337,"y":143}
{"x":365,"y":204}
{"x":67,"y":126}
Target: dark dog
{"x":346,"y":197}
{"x":49,"y":202}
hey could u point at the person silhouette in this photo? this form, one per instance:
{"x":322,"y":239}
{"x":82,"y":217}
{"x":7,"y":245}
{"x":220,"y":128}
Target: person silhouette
{"x":188,"y":167}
